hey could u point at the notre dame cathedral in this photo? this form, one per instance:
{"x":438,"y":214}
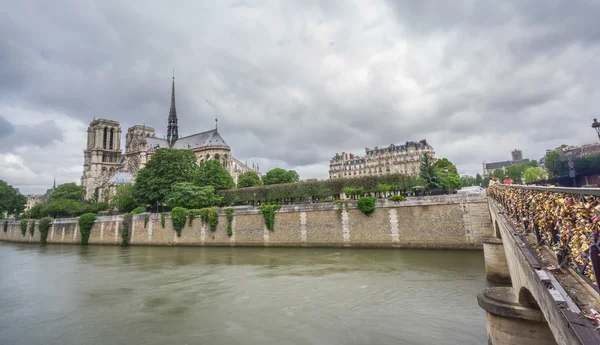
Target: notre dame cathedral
{"x":105,"y":167}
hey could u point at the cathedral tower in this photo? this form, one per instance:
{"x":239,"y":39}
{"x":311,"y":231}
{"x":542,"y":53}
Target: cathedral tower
{"x":102,"y":156}
{"x":172,"y":130}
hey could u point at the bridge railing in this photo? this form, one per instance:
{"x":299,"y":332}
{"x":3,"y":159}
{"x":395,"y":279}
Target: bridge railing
{"x":565,"y":219}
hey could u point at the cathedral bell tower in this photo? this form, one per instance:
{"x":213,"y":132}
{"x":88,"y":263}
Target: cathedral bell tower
{"x":172,"y":130}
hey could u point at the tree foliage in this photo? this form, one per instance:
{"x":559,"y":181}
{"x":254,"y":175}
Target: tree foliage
{"x":68,"y":191}
{"x":279,"y":176}
{"x":211,"y":173}
{"x":123,"y":199}
{"x":451,"y":181}
{"x":249,"y":179}
{"x":500,"y":174}
{"x":11,"y":202}
{"x":43,"y":228}
{"x":268,"y":212}
{"x":307,"y":191}
{"x":443,"y":163}
{"x":556,"y":163}
{"x":165,"y":168}
{"x":429,"y":173}
{"x":533,"y":174}
{"x":178,"y":215}
{"x":189,"y":195}
{"x":366,"y":205}
{"x":515,"y":172}
{"x":86,"y":221}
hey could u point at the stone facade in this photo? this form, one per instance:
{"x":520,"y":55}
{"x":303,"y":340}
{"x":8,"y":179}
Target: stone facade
{"x":450,"y":222}
{"x":105,"y":167}
{"x":401,"y":159}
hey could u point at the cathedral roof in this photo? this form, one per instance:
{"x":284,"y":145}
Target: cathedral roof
{"x":200,"y":140}
{"x":121,"y":177}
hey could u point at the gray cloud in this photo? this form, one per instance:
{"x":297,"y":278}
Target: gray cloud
{"x":294,"y":83}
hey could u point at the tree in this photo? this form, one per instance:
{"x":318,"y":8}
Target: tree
{"x":69,"y":191}
{"x":165,"y":168}
{"x":62,"y":207}
{"x":36,"y":212}
{"x":451,"y":181}
{"x":556,"y":164}
{"x":123,"y":199}
{"x":211,"y":173}
{"x":468,"y":181}
{"x":279,"y":176}
{"x":11,"y":202}
{"x":191,"y":196}
{"x":444,"y":163}
{"x":515,"y":172}
{"x":478,"y":180}
{"x":499,"y":174}
{"x":533,"y":174}
{"x":249,"y":179}
{"x":429,"y":173}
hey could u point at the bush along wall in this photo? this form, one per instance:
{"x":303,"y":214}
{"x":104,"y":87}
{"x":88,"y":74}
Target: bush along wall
{"x":192,"y":214}
{"x":268,"y":212}
{"x":178,"y":215}
{"x":23,"y":227}
{"x":86,"y":221}
{"x":127,"y":222}
{"x":32,"y":227}
{"x":146,"y":219}
{"x":366,"y":205}
{"x":5,"y":225}
{"x":229,"y":213}
{"x":43,"y":228}
{"x":210,"y":216}
{"x":162,"y":220}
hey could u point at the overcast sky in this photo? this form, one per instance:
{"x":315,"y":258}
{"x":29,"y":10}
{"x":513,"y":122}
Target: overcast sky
{"x":294,"y":82}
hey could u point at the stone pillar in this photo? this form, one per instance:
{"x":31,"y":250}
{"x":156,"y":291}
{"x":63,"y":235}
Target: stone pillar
{"x":511,"y":323}
{"x":496,"y":266}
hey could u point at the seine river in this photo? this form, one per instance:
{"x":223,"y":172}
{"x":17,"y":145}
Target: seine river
{"x":61,"y":294}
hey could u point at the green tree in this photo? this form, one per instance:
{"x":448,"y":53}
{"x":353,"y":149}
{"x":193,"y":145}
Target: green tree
{"x":62,"y":207}
{"x":165,"y":168}
{"x":279,"y":176}
{"x":123,"y":199}
{"x":36,"y":212}
{"x":69,"y":191}
{"x":11,"y":202}
{"x":478,"y":180}
{"x":533,"y":174}
{"x":191,"y":196}
{"x":515,"y":172}
{"x":468,"y":181}
{"x":451,"y":181}
{"x":249,"y":179}
{"x":499,"y":174}
{"x":556,"y":164}
{"x":443,"y":163}
{"x":429,"y":173}
{"x":211,"y":173}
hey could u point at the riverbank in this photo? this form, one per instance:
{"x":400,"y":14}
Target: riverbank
{"x":435,"y":222}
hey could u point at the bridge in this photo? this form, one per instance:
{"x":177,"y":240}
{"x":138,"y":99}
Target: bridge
{"x":545,"y":253}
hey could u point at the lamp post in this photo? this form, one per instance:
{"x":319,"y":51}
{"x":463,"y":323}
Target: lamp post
{"x":596,"y":126}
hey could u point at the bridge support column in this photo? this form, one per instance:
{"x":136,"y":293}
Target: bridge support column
{"x":511,"y":323}
{"x":496,"y":266}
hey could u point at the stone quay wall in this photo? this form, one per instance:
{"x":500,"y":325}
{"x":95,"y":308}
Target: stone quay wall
{"x":435,"y":222}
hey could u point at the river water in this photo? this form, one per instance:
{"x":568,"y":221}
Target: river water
{"x":62,"y":294}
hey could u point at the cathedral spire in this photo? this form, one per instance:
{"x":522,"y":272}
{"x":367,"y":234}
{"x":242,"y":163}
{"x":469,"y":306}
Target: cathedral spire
{"x":172,"y":130}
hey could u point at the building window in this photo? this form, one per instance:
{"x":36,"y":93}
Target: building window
{"x":104,"y":140}
{"x":112,"y":132}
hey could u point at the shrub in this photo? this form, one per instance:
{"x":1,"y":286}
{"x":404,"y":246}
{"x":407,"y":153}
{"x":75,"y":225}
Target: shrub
{"x":268,"y":212}
{"x":43,"y":227}
{"x":366,"y":205}
{"x":397,"y":198}
{"x":23,"y":226}
{"x":138,"y":210}
{"x":162,"y":220}
{"x":229,"y":213}
{"x":146,"y":219}
{"x":209,"y":215}
{"x":32,"y":227}
{"x":125,"y":230}
{"x":86,"y":221}
{"x":5,"y":225}
{"x":178,"y":215}
{"x":192,"y":213}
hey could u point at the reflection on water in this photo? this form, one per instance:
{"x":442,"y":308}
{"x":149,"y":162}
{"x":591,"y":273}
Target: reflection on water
{"x":61,"y":294}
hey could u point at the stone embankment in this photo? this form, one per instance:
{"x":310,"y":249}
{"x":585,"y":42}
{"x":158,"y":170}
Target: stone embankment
{"x":448,"y":222}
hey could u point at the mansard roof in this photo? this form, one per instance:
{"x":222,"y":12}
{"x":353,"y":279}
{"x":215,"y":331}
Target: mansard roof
{"x":201,"y":140}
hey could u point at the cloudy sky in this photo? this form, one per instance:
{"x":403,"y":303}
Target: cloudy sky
{"x":294,"y":82}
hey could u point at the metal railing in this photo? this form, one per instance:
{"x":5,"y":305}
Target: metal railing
{"x":565,"y":219}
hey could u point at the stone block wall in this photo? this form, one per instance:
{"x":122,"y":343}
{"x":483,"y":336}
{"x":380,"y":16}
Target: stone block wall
{"x":452,"y":222}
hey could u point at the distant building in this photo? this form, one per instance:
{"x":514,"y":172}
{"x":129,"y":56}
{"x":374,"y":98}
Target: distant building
{"x":517,"y":155}
{"x":401,"y":159}
{"x":517,"y":158}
